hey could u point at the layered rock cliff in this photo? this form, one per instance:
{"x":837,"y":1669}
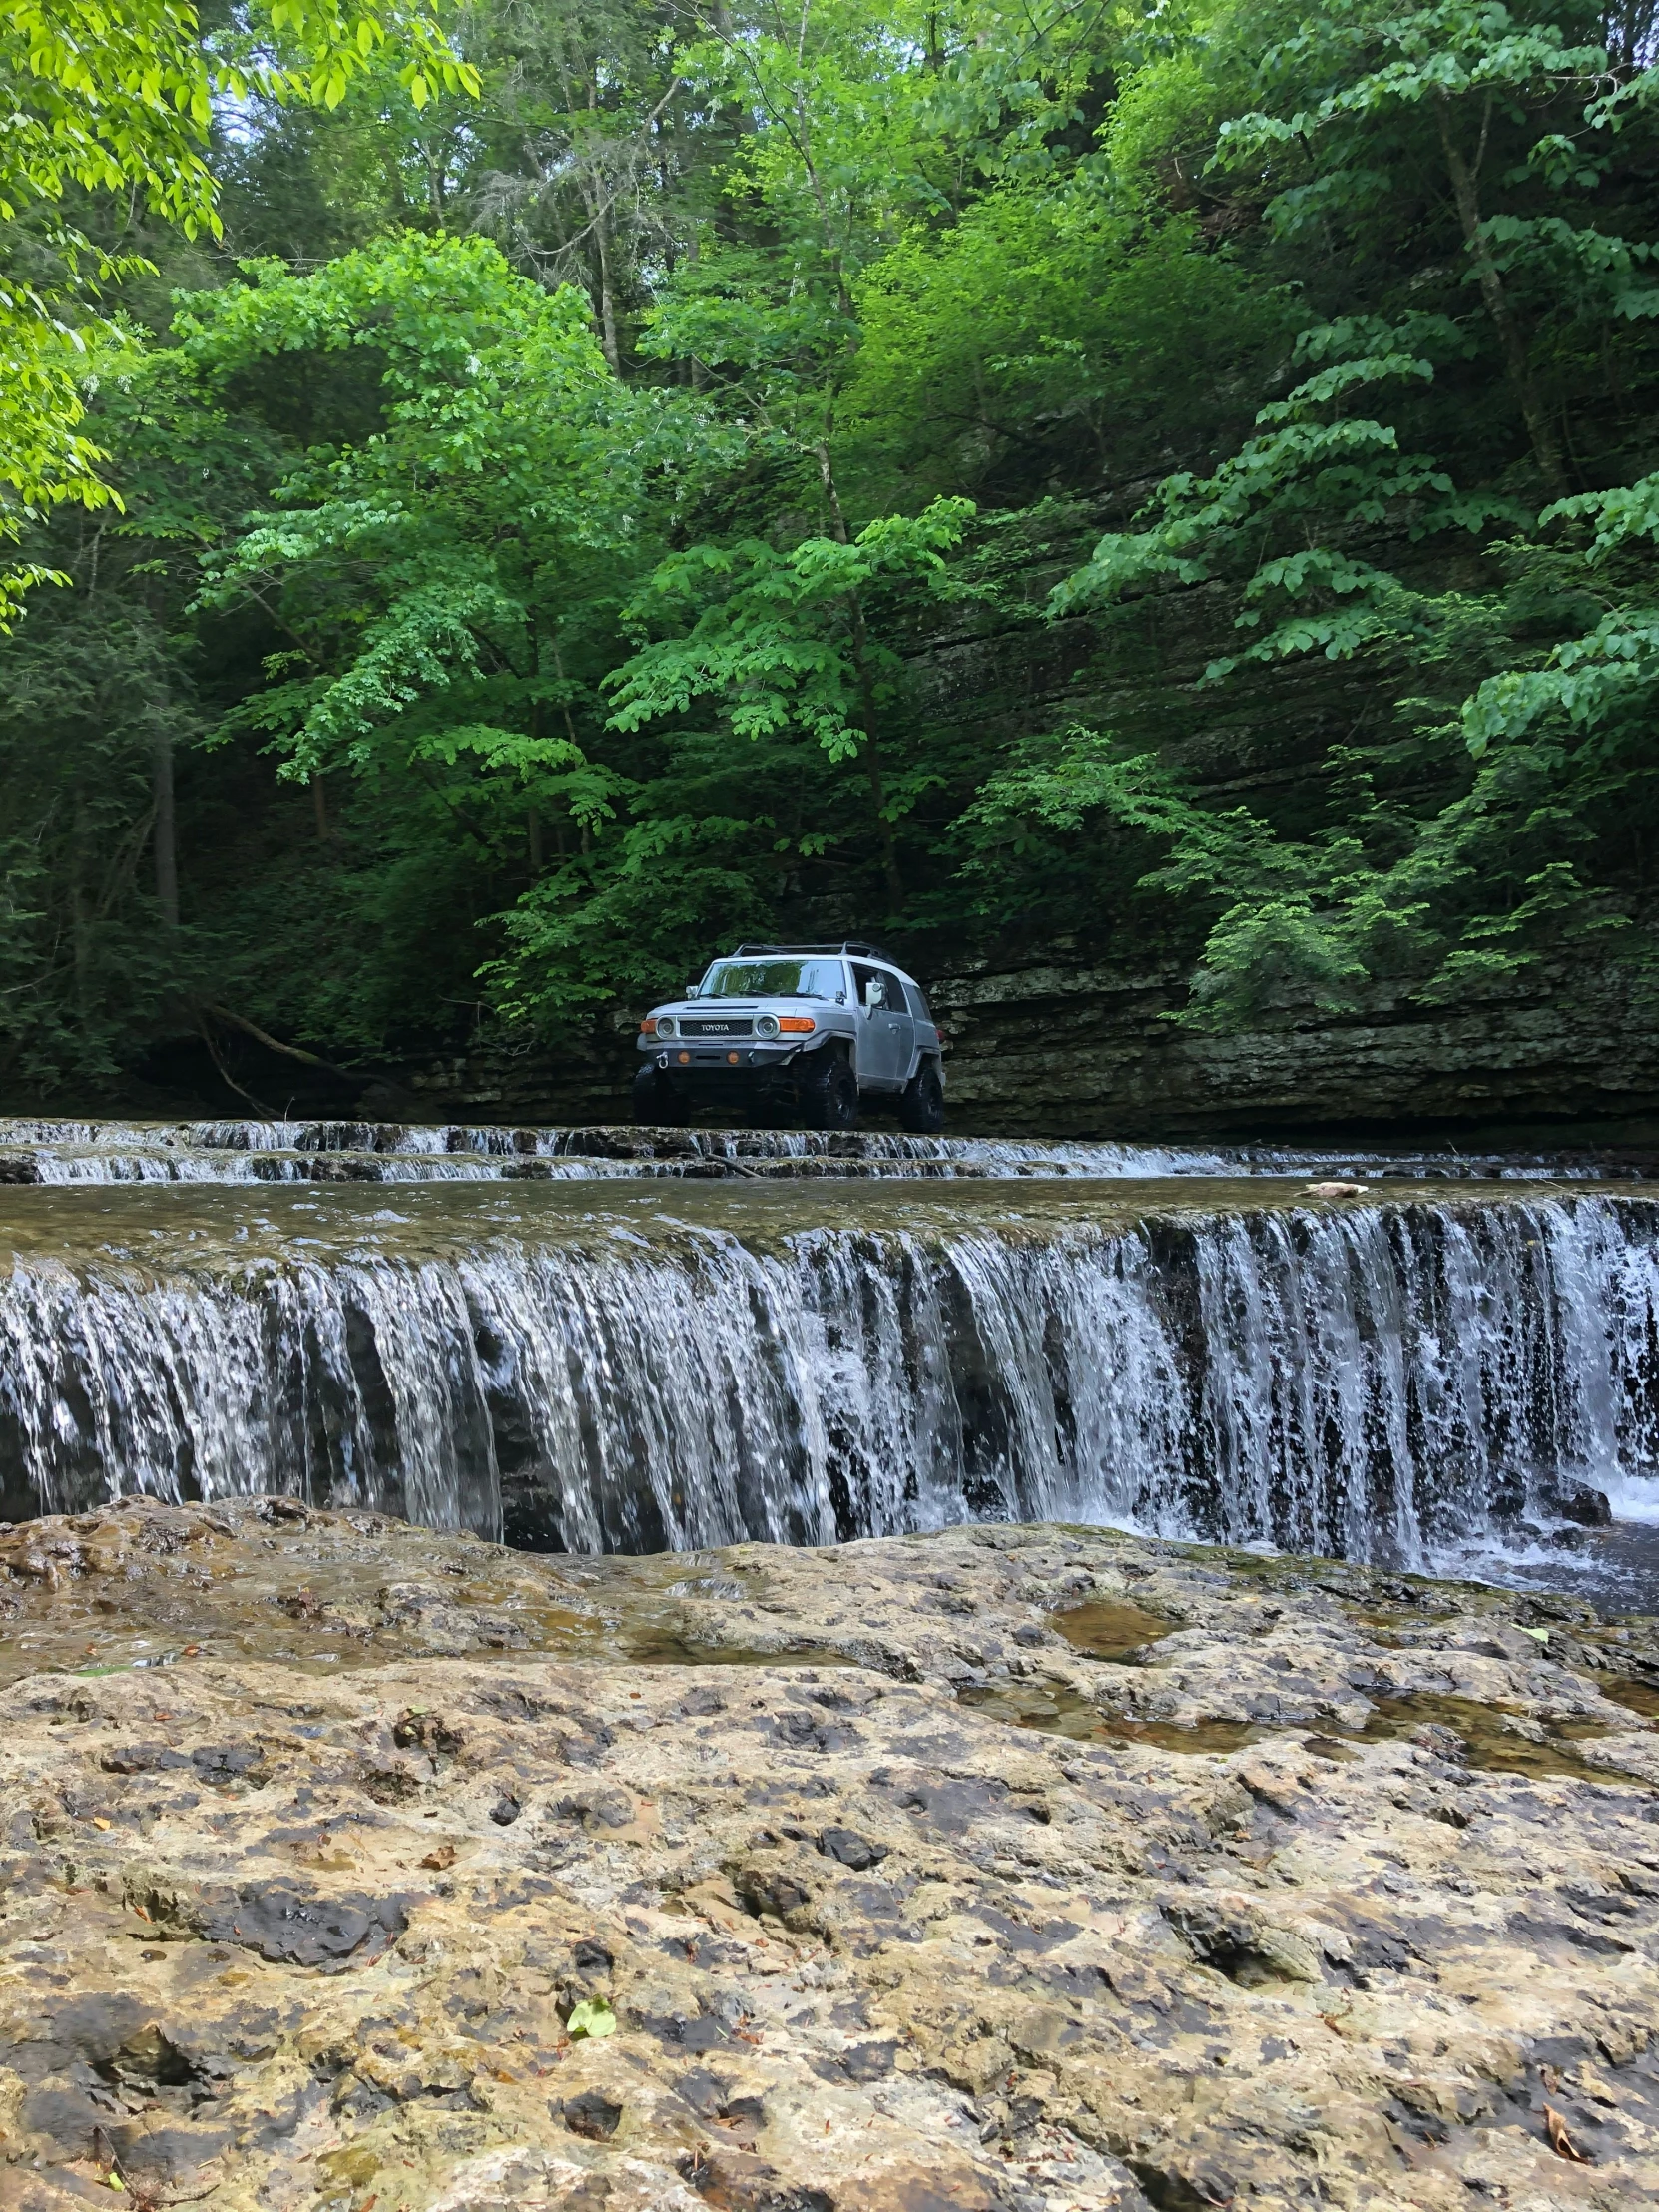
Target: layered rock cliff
{"x":1061,"y":1046}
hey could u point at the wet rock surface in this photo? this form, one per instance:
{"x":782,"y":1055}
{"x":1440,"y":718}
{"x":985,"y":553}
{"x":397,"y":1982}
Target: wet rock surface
{"x":1012,"y":1866}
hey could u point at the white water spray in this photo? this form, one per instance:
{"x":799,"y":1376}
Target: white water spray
{"x":1375,"y":1382}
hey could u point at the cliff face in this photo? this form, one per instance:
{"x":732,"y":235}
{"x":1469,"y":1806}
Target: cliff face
{"x":1066,"y":1047}
{"x":1067,"y":1033}
{"x":1058,"y":1003}
{"x":1089,"y":1051}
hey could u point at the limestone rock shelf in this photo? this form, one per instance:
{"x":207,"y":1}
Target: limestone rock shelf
{"x":1037,"y":1867}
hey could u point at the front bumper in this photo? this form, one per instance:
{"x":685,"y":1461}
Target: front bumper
{"x":753,"y":1056}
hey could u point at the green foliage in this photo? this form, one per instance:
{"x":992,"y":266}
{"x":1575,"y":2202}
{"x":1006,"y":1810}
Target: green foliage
{"x":1043,"y":326}
{"x":114,"y":95}
{"x":1179,"y":481}
{"x":413,"y":565}
{"x":445,"y":593}
{"x":778,"y":638}
{"x":1310,"y":526}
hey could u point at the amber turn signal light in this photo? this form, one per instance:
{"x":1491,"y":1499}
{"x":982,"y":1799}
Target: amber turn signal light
{"x":797,"y":1025}
{"x":648,"y":1027}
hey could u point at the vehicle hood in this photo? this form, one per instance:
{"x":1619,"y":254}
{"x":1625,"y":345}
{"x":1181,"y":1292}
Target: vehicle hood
{"x":717,"y":1008}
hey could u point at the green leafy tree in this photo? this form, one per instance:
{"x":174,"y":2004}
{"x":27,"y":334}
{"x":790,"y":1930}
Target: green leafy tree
{"x":115,"y":97}
{"x":781,"y":640}
{"x":100,"y":698}
{"x":545,"y":551}
{"x":442,"y":596}
{"x":1497,"y":128}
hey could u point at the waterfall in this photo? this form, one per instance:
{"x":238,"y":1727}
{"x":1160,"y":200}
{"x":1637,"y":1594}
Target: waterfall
{"x":1372,"y":1381}
{"x":39,"y":1151}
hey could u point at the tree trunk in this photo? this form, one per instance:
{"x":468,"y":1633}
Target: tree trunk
{"x":606,"y":302}
{"x":319,"y":809}
{"x":699,"y":374}
{"x":1464,"y":176}
{"x":81,"y":902}
{"x":871,"y":755}
{"x":166,"y":836}
{"x":873,"y":764}
{"x":599,"y":209}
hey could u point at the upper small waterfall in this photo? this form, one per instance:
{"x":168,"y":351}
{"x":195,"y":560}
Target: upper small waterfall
{"x":34,"y":1150}
{"x":613,"y":1368}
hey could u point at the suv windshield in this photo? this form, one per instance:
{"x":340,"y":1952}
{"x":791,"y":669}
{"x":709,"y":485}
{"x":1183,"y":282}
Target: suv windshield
{"x":775,"y":980}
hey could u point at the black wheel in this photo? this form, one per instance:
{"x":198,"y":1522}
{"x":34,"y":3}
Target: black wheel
{"x":655,"y":1103}
{"x":830,"y":1094}
{"x":921,"y":1106}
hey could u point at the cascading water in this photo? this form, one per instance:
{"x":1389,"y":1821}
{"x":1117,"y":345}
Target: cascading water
{"x":584,"y":1369}
{"x":40,"y":1151}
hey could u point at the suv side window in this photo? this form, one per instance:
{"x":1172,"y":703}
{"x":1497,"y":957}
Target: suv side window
{"x":918,"y":1005}
{"x":871,"y":987}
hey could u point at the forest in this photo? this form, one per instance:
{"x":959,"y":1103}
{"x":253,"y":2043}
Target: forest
{"x":542,"y":499}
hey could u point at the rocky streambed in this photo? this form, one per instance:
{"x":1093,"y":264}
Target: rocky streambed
{"x":347,"y":1865}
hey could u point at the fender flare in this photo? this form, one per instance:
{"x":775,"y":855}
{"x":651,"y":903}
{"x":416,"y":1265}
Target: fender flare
{"x":812,"y":1062}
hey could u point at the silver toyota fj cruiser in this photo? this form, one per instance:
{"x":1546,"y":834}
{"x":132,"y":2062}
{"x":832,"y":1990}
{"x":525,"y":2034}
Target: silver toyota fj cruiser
{"x":809,"y":1032}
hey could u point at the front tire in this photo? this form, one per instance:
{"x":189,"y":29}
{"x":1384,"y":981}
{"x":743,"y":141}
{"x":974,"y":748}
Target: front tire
{"x":922,"y":1105}
{"x":829,"y":1095}
{"x":655,"y":1105}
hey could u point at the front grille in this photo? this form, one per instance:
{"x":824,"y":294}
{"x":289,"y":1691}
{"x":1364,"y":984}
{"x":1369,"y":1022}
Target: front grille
{"x":707,"y":1029}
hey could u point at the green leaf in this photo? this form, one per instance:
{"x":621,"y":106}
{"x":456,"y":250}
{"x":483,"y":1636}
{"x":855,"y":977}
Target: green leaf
{"x":593,"y":2017}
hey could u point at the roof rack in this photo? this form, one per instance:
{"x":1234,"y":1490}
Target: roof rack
{"x":855,"y":945}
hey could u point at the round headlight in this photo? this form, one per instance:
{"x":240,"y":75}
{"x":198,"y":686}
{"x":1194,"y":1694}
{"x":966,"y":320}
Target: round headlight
{"x":766,"y":1025}
{"x":665,"y":1025}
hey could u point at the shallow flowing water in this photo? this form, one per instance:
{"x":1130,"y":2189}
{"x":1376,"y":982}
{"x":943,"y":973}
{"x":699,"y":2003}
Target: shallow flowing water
{"x":34,"y":1150}
{"x":605,"y":1364}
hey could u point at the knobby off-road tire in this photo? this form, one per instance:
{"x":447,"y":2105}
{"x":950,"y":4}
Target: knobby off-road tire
{"x":830,"y":1094}
{"x":921,"y":1104}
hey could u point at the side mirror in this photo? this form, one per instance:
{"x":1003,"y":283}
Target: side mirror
{"x":690,"y":988}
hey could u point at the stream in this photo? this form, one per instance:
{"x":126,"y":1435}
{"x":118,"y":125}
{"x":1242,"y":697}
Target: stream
{"x":685,"y":1339}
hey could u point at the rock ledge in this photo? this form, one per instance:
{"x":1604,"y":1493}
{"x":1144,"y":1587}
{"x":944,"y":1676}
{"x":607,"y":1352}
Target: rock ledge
{"x":1041,"y":1869}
